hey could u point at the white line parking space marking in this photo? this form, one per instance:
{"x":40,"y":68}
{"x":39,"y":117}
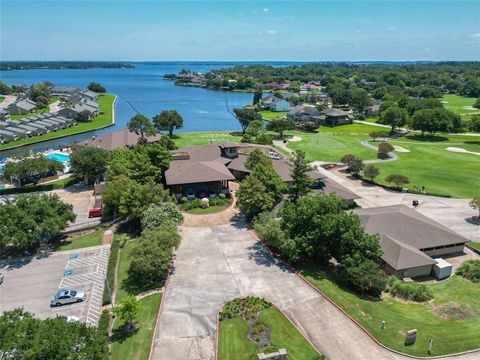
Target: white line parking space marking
{"x":96,"y":278}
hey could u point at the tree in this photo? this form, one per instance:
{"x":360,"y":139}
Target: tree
{"x":42,"y":102}
{"x":89,"y":163}
{"x":167,"y":143}
{"x":269,"y":230}
{"x":142,"y":126}
{"x":371,"y":172}
{"x":374,"y":135}
{"x":257,"y":96}
{"x":474,"y":124}
{"x":384,"y":149}
{"x":23,"y":336}
{"x":151,"y":257}
{"x":263,"y":139}
{"x":280,"y":126}
{"x":168,"y":120}
{"x":395,"y":117}
{"x":257,"y":157}
{"x":299,"y":173}
{"x":114,"y":192}
{"x":158,"y":214}
{"x":29,"y":220}
{"x":364,"y":275}
{"x":255,"y":127}
{"x":96,"y":87}
{"x":360,"y":99}
{"x":245,"y":116}
{"x":397,"y":179}
{"x":475,"y":204}
{"x":30,"y":169}
{"x":253,"y":197}
{"x":354,"y":164}
{"x":138,"y":197}
{"x":128,"y":311}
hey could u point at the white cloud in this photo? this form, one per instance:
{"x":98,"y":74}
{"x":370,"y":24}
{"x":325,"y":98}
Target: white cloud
{"x":266,"y":9}
{"x":477,"y":35}
{"x":273,"y":32}
{"x":391,"y":28}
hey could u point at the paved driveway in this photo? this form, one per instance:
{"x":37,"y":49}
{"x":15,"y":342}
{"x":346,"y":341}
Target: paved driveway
{"x":215,"y":264}
{"x":30,"y":282}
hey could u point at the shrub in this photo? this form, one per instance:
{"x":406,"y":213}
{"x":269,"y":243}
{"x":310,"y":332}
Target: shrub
{"x":269,"y":230}
{"x":246,"y":308}
{"x":110,"y":278}
{"x":104,"y":322}
{"x":365,"y":276}
{"x":183,"y":200}
{"x":221,"y":196}
{"x":409,"y":291}
{"x":156,"y":215}
{"x":470,"y":270}
{"x":397,"y":179}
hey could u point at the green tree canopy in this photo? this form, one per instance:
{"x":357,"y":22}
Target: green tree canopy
{"x":245,"y":116}
{"x":168,"y":120}
{"x":30,"y":169}
{"x":397,"y":179}
{"x":141,"y":125}
{"x":280,"y":126}
{"x":29,"y":220}
{"x":128,"y":311}
{"x":360,"y":99}
{"x":89,"y":163}
{"x":26,"y":337}
{"x":371,"y":172}
{"x":301,"y":179}
{"x":157,"y":215}
{"x":96,"y":87}
{"x":395,"y":117}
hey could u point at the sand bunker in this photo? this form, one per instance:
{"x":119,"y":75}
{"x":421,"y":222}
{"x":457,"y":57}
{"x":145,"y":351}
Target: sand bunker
{"x":295,"y":138}
{"x":460,"y":150}
{"x":400,"y":149}
{"x":469,"y":108}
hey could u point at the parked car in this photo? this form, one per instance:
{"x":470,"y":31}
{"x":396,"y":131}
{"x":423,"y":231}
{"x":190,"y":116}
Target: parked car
{"x":63,"y":296}
{"x":212,"y":194}
{"x":191,"y":194}
{"x":94,"y":212}
{"x":202,"y":194}
{"x":1,"y":278}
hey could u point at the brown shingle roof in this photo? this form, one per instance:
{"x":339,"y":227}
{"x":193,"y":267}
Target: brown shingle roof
{"x":117,"y":139}
{"x":328,"y":186}
{"x":191,"y":172}
{"x":401,"y":256}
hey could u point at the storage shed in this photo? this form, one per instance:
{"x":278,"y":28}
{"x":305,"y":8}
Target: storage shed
{"x":442,"y":269}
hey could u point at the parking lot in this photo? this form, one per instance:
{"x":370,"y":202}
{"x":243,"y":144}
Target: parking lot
{"x":30,"y":282}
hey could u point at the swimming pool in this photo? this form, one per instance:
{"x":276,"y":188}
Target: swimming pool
{"x":59,"y":157}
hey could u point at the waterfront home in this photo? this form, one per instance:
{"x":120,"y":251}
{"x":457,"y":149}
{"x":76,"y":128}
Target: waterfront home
{"x":274,"y":103}
{"x":64,"y":92}
{"x":33,"y":127}
{"x":92,"y":95}
{"x":117,"y":139}
{"x":410,"y":241}
{"x":6,"y":136}
{"x":4,"y":115}
{"x":304,"y":113}
{"x":22,"y":107}
{"x":20,"y":133}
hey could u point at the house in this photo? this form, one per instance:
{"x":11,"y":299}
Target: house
{"x":4,"y":115}
{"x":64,"y":92}
{"x":304,"y":113}
{"x":325,"y":185}
{"x":334,"y":117}
{"x":274,"y":103}
{"x":117,"y":139}
{"x":92,"y":95}
{"x":410,"y":241}
{"x":210,"y":167}
{"x":10,"y":127}
{"x":77,"y":111}
{"x":22,"y":107}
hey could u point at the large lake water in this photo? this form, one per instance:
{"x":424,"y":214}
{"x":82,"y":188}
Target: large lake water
{"x":143,"y":89}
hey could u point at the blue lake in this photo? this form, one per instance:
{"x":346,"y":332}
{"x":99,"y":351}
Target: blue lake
{"x":144,"y":89}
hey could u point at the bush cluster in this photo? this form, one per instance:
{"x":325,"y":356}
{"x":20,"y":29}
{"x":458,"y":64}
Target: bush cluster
{"x":245,"y":308}
{"x":197,"y":203}
{"x":470,"y":270}
{"x":409,"y":291}
{"x":110,"y":278}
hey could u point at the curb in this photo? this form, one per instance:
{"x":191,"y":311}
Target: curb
{"x":160,"y":308}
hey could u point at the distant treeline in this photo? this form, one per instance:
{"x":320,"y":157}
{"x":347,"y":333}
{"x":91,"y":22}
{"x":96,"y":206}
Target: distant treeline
{"x":31,"y":65}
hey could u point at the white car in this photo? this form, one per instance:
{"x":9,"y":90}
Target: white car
{"x":71,"y":318}
{"x":191,"y":194}
{"x":63,"y":296}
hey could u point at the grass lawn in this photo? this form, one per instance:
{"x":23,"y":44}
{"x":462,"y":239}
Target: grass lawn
{"x":451,"y":319}
{"x":36,"y":112}
{"x":57,"y":184}
{"x":235,"y":344}
{"x":201,"y":138}
{"x":330,"y":143}
{"x":209,"y":210}
{"x":82,"y":241}
{"x":122,"y":275}
{"x":270,"y":115}
{"x":441,"y":171}
{"x":136,"y":346}
{"x":457,"y":104}
{"x":2,"y":98}
{"x":474,"y":245}
{"x":103,"y":119}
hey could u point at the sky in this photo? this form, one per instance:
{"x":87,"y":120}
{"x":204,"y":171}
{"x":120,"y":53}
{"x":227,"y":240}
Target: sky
{"x":240,"y":30}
